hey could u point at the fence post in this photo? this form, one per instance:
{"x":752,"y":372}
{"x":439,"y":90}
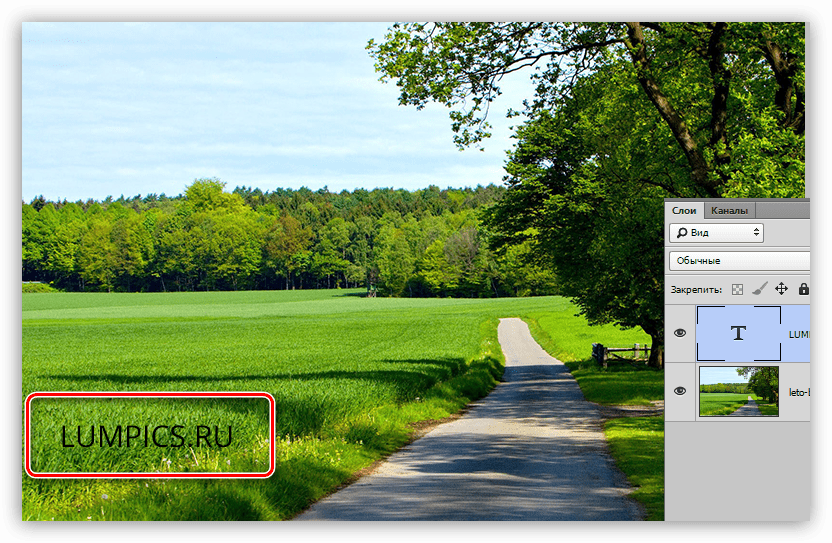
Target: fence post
{"x":635,"y":352}
{"x":599,"y":353}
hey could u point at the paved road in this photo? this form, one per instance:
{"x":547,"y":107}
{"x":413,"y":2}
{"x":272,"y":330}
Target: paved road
{"x":530,"y":450}
{"x":748,"y":410}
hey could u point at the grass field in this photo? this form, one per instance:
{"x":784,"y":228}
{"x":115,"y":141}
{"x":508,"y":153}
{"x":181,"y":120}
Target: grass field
{"x":348,"y":375}
{"x":713,"y":404}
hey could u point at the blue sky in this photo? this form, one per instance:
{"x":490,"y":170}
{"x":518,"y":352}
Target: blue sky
{"x":709,"y":375}
{"x":138,"y":108}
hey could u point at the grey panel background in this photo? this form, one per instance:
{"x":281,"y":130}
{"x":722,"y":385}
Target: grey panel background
{"x":782,"y":210}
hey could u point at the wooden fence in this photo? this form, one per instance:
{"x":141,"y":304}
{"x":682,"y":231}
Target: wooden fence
{"x":603,"y":355}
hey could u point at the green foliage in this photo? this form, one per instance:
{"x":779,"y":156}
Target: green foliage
{"x":521,"y":277}
{"x":764,"y":381}
{"x":598,"y":223}
{"x":209,"y":239}
{"x":733,"y":388}
{"x":434,"y":270}
{"x":623,"y":115}
{"x":38,"y":288}
{"x":208,"y":195}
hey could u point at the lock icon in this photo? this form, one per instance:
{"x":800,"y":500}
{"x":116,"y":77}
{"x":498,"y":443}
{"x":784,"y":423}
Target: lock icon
{"x":803,"y":290}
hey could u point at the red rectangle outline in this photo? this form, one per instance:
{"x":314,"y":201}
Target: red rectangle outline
{"x":153,"y":475}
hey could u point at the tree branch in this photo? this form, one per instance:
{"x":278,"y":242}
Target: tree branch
{"x":784,"y":70}
{"x":697,"y":162}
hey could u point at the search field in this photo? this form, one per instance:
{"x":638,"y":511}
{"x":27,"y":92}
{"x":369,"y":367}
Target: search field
{"x":716,"y":233}
{"x":739,"y":261}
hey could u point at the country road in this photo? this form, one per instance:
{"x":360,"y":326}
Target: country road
{"x":748,"y":410}
{"x":533,"y":449}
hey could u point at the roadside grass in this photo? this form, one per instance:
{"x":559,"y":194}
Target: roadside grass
{"x":768,"y":409}
{"x":637,"y":443}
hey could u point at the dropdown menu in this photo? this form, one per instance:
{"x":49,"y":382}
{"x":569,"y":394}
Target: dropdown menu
{"x":715,"y":233}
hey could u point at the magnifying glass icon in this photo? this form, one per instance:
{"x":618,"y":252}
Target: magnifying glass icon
{"x":682,"y":232}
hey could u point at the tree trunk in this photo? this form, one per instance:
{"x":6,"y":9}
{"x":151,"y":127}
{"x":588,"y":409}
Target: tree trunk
{"x":656,"y":359}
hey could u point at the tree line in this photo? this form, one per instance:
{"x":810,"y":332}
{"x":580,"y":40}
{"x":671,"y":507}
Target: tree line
{"x":726,"y":388}
{"x":428,"y":242}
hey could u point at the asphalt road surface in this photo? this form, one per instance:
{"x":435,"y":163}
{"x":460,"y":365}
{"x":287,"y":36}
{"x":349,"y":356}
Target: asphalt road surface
{"x":748,"y":410}
{"x":533,"y":449}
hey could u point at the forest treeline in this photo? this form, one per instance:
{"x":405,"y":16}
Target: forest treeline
{"x":732,"y":388}
{"x":428,"y":242}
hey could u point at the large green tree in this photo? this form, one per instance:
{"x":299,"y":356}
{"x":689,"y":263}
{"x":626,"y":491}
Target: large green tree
{"x":97,"y":255}
{"x":622,"y":115}
{"x":215,"y":241}
{"x":586,"y":190}
{"x":764,"y":381}
{"x":133,"y":246}
{"x":284,"y":242}
{"x":395,"y":258}
{"x":724,"y":90}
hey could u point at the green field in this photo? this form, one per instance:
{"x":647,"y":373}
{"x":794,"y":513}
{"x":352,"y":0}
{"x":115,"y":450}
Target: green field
{"x":713,"y":404}
{"x":348,"y":375}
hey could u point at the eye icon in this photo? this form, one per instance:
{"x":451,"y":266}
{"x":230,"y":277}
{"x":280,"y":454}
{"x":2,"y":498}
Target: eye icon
{"x":679,"y":390}
{"x":680,"y":332}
